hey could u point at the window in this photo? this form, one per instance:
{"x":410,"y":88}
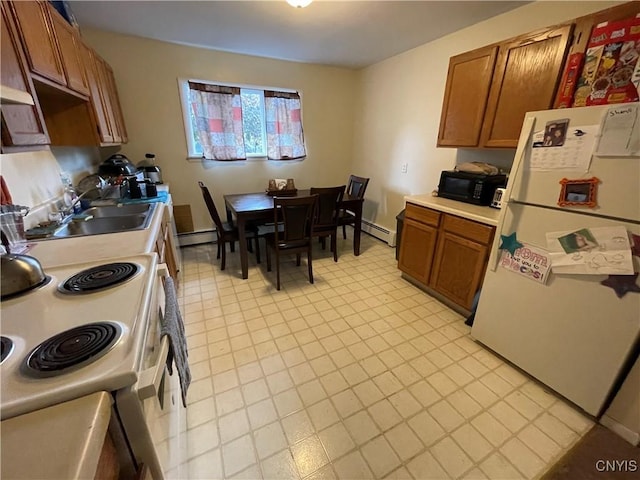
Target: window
{"x":224,"y":122}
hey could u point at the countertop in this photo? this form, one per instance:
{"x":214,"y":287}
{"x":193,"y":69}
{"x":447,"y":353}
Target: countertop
{"x":89,"y":248}
{"x":63,"y":441}
{"x":486,"y":215}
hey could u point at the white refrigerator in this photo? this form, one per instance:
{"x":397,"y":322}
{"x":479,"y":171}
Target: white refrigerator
{"x":573,"y":334}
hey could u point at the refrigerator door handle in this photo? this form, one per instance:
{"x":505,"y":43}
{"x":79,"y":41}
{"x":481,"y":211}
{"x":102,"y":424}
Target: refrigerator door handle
{"x":524,"y":145}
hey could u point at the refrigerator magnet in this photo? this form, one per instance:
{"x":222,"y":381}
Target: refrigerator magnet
{"x":622,"y":284}
{"x":578,"y":193}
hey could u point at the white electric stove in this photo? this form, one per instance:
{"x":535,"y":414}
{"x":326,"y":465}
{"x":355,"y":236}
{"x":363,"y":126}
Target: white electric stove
{"x":96,"y":327}
{"x":92,"y":318}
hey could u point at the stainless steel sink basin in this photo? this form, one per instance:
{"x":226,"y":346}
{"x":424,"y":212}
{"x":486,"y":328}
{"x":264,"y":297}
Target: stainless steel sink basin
{"x":109,"y":219}
{"x":118,"y":210}
{"x":102,"y":225}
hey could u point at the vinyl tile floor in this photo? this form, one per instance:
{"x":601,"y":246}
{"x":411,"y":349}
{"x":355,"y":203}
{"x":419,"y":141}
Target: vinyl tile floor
{"x":360,"y":375}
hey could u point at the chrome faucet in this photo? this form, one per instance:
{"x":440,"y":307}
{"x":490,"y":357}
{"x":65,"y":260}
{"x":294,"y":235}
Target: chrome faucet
{"x":69,"y":210}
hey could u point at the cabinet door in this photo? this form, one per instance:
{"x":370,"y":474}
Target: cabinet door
{"x":37,"y":37}
{"x":97,"y":95}
{"x":21,"y":124}
{"x":109,"y":109}
{"x":115,"y":105}
{"x":458,"y":268}
{"x":69,"y":53}
{"x":465,"y":97}
{"x":525,"y":79}
{"x":417,"y":249}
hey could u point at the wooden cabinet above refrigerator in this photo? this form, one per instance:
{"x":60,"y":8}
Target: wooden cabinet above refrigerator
{"x":490,"y":89}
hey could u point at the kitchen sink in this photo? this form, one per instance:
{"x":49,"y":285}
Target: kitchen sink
{"x":109,"y":219}
{"x":118,"y":210}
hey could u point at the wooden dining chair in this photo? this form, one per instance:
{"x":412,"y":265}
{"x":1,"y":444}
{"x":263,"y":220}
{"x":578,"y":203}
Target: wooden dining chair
{"x":355,"y":188}
{"x":326,"y":216}
{"x":294,"y":217}
{"x":225,"y":232}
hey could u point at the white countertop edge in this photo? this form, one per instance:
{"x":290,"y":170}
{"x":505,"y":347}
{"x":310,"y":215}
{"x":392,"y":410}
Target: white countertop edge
{"x":486,"y":215}
{"x":62,"y":441}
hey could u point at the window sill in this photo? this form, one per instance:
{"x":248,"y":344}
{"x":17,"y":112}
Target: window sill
{"x":248,"y":160}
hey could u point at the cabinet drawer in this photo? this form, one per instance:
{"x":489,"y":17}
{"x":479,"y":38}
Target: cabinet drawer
{"x":422,"y":214}
{"x":475,"y":231}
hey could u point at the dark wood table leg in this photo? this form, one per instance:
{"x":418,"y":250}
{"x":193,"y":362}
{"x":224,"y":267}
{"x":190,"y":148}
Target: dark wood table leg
{"x":357,"y":229}
{"x":242,"y":240}
{"x":229,"y":217}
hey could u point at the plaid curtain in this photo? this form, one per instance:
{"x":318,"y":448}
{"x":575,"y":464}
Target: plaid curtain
{"x":218,"y":115}
{"x":285,"y":139}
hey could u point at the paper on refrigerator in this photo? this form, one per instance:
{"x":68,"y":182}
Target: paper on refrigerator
{"x":573,"y":153}
{"x":591,"y":251}
{"x":529,"y":261}
{"x":620,"y":132}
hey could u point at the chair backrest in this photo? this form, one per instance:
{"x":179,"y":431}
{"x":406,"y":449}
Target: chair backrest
{"x":329,"y":199}
{"x":357,"y":186}
{"x":296,"y":214}
{"x":211,"y":207}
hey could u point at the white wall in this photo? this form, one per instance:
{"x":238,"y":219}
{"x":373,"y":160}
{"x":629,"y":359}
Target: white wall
{"x":34,"y":181}
{"x":146,"y":73}
{"x":400,"y":101}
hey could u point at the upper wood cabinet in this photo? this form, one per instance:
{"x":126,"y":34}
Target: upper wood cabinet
{"x":489,"y":90}
{"x":21,"y":124}
{"x":98,"y":95}
{"x":37,"y":37}
{"x":76,"y":90}
{"x":526,"y":78}
{"x":69,"y":45}
{"x":51,"y":45}
{"x":465,"y":97}
{"x":119,"y":129}
{"x":104,"y":99}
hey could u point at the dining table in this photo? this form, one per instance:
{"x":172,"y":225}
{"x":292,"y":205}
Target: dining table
{"x":245,"y":207}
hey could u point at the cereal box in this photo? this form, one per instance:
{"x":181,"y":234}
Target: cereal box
{"x":569,"y":79}
{"x":611,"y":71}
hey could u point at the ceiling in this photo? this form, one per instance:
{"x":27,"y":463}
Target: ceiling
{"x":342,"y":33}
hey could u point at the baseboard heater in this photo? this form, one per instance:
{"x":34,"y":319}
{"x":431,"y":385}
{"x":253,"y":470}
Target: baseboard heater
{"x":209,"y":236}
{"x":379,"y":232}
{"x":196,"y":238}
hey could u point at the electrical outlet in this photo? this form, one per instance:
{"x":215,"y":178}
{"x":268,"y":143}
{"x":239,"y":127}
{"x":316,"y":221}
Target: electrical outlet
{"x":405,"y":167}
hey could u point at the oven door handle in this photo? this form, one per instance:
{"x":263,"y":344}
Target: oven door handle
{"x":149,"y":379}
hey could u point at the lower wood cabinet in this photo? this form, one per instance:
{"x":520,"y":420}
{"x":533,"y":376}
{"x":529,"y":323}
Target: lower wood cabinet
{"x":165,"y":247}
{"x":445,"y":252}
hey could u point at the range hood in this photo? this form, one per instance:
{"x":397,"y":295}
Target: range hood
{"x":12,"y":96}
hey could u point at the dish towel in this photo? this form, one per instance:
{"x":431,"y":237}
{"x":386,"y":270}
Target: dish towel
{"x":172,"y":326}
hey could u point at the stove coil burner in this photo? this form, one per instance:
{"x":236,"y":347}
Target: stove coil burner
{"x":100,"y":277}
{"x":6,"y":347}
{"x":72,"y":349}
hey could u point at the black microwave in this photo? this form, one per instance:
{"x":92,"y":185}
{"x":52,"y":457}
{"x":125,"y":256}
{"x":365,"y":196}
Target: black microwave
{"x":469,"y":187}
